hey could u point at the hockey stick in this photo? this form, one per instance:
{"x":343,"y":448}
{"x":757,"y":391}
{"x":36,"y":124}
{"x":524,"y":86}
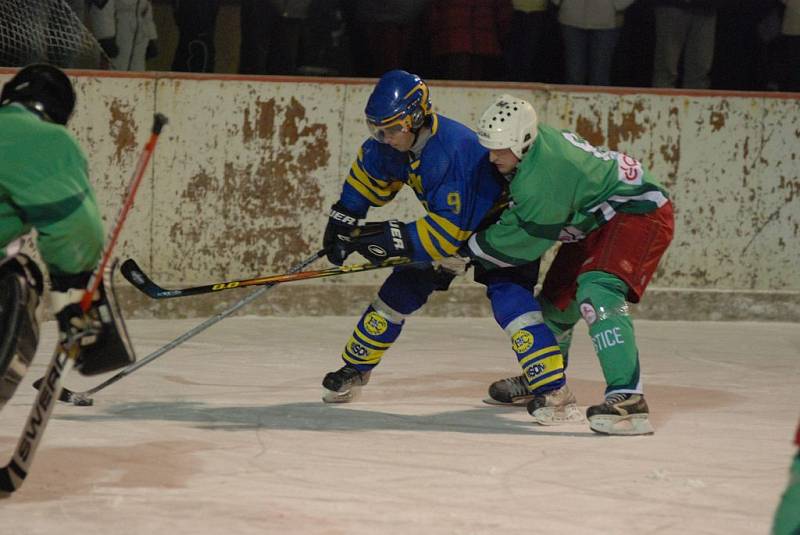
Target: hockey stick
{"x":131,"y":271}
{"x":14,"y":473}
{"x":84,"y":399}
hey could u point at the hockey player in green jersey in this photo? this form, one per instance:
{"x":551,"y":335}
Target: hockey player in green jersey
{"x":787,"y":516}
{"x":44,"y":187}
{"x":614,"y":222}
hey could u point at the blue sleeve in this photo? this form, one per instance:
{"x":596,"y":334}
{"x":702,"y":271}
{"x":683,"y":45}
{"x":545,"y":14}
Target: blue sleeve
{"x":370,"y":181}
{"x":461,"y":189}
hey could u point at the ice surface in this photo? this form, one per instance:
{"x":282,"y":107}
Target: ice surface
{"x":226,"y":434}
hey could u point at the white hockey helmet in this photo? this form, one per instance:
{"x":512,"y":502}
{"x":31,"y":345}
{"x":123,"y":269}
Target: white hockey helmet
{"x":508,"y":123}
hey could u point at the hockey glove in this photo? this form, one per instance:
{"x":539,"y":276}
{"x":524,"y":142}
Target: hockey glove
{"x":379,"y":241}
{"x":102,"y":341}
{"x":336,"y":240}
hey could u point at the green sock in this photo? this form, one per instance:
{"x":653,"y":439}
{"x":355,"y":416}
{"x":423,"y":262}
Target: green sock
{"x":561,"y":323}
{"x":601,"y":301}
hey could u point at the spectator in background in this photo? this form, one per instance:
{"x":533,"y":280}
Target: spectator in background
{"x":270,"y":33}
{"x":465,"y":38}
{"x":684,"y":27}
{"x":196,"y":21}
{"x":526,"y":46}
{"x":386,"y":28}
{"x":326,"y":47}
{"x":126,"y":31}
{"x":790,"y":45}
{"x":590,"y":29}
{"x":745,"y":31}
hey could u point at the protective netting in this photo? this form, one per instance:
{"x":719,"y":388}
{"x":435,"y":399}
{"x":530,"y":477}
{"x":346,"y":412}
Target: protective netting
{"x":46,"y":31}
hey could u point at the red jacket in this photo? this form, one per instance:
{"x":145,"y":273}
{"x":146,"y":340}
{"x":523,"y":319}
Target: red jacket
{"x":476,"y":27}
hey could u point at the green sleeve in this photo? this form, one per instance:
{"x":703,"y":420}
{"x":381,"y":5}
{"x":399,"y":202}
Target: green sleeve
{"x":511,"y":242}
{"x":528,"y":228}
{"x":48,"y":186}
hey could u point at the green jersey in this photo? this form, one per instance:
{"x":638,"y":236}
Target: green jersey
{"x":564,"y":188}
{"x":44,"y":186}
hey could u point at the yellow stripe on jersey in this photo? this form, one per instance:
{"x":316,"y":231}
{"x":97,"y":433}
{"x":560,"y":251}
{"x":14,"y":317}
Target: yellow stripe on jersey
{"x":377,"y":192}
{"x":363,"y":190}
{"x":427,"y":232}
{"x":367,"y":178}
{"x":426,"y":235}
{"x":450,"y":227}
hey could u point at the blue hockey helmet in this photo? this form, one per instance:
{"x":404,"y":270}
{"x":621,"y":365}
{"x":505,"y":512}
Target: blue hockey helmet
{"x":399,"y":101}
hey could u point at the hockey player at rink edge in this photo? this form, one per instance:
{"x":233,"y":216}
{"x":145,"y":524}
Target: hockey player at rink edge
{"x":615,"y":222}
{"x":449,"y":172}
{"x":44,"y":186}
{"x":787,"y":516}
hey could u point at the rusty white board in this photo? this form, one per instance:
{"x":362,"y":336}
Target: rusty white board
{"x":247,"y":168}
{"x":243,"y":188}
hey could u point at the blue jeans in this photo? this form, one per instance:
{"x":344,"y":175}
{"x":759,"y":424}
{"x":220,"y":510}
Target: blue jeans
{"x":588,"y":55}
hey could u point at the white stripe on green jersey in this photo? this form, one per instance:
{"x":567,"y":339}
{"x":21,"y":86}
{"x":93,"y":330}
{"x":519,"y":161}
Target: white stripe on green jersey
{"x":564,"y":188}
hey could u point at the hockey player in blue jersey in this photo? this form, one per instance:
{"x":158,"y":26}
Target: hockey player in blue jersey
{"x":452,"y":177}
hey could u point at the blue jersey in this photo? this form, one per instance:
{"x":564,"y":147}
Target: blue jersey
{"x":452,"y":178}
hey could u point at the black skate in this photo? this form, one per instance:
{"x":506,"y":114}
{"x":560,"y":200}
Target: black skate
{"x":344,"y":385}
{"x":620,"y":414}
{"x":509,"y":391}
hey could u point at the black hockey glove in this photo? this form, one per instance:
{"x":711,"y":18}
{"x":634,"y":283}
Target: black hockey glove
{"x":379,"y":241}
{"x":102,"y":342}
{"x":337,"y":234}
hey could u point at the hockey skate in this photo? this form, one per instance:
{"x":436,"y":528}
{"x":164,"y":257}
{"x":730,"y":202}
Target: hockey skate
{"x":555,"y":407}
{"x":509,"y":391}
{"x":344,"y":385}
{"x":620,"y":414}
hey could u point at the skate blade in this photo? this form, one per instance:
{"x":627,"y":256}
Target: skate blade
{"x":637,"y":424}
{"x":331,"y":396}
{"x":558,"y":415}
{"x":519,"y":402}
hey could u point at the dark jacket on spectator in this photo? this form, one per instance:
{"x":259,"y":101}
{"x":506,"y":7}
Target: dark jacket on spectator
{"x":474,"y":27}
{"x":698,"y":6}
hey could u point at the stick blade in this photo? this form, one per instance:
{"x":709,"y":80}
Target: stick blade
{"x":11,"y":478}
{"x":134,"y":274}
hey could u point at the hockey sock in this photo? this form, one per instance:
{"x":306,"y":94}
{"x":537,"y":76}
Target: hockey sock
{"x":374,"y":333}
{"x":561,"y":323}
{"x":520,"y":316}
{"x":601,"y":299}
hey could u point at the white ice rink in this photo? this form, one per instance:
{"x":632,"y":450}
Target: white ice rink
{"x":226,"y":434}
